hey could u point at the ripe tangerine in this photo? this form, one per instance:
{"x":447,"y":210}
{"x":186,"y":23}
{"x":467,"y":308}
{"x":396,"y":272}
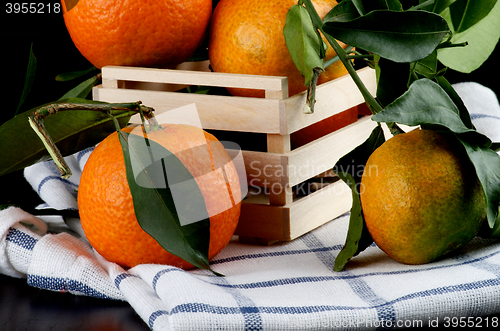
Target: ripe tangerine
{"x":106,"y":207}
{"x":421,"y":196}
{"x":246,"y":37}
{"x":159,"y":34}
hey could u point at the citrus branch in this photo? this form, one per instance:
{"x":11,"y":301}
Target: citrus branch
{"x":36,"y":121}
{"x":372,"y":103}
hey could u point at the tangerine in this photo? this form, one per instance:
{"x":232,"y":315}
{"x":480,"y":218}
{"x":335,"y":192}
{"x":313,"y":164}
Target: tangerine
{"x":246,"y":37}
{"x":421,"y":196}
{"x":106,"y":207}
{"x":158,"y":34}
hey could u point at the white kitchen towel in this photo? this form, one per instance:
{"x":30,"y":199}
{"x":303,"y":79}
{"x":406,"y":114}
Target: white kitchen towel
{"x":286,"y":286}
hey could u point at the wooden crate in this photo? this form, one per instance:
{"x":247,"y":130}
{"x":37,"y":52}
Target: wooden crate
{"x":272,"y":211}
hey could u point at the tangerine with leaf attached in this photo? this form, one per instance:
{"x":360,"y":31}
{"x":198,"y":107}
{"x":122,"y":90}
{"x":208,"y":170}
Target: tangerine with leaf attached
{"x":106,"y":207}
{"x":421,"y":196}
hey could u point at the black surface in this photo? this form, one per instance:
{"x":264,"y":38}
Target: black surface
{"x":25,"y":308}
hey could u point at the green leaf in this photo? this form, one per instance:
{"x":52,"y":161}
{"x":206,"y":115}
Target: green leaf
{"x":359,"y":6}
{"x":424,"y":103}
{"x":482,"y":39}
{"x":350,"y":169}
{"x":67,"y":76}
{"x":394,"y":5}
{"x":29,"y":80}
{"x":364,"y":7}
{"x":427,"y":67}
{"x":372,"y":5}
{"x":438,"y":6}
{"x":397,"y":36}
{"x":72,"y":131}
{"x":152,"y":171}
{"x":466,"y":13}
{"x":358,"y":238}
{"x":82,"y":90}
{"x":487,"y":164}
{"x":342,"y":12}
{"x":441,"y":5}
{"x":464,"y":113}
{"x":303,"y":41}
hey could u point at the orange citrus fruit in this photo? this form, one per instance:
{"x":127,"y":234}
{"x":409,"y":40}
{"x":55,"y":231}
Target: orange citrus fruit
{"x":106,"y":207}
{"x":246,"y":37}
{"x":421,"y":196}
{"x":158,"y":34}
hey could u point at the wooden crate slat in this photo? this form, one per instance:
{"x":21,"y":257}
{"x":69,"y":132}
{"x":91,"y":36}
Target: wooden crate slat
{"x":320,"y":155}
{"x":264,"y":169}
{"x":288,"y":222}
{"x":187,"y":77}
{"x":292,"y":168}
{"x":319,"y":207}
{"x":331,"y":98}
{"x":216,"y":112}
{"x":263,"y":221}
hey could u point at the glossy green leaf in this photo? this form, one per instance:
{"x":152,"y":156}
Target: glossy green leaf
{"x":72,"y":131}
{"x":67,"y":76}
{"x":466,"y":13}
{"x":303,"y":41}
{"x":29,"y":79}
{"x":482,"y":39}
{"x":372,"y":5}
{"x":344,"y":11}
{"x":313,"y":14}
{"x":487,"y":164}
{"x":363,"y":7}
{"x":394,"y":5}
{"x":464,"y":112}
{"x":441,"y":5}
{"x":153,"y":173}
{"x":350,"y":169}
{"x":359,"y":6}
{"x":424,"y":103}
{"x":438,"y":6}
{"x":82,"y":90}
{"x":427,"y":67}
{"x":397,"y":36}
{"x":358,"y":238}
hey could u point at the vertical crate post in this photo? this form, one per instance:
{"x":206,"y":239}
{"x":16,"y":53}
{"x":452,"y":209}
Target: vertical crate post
{"x":280,"y":144}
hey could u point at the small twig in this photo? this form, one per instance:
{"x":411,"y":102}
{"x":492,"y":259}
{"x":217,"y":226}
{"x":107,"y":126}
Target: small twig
{"x":451,"y":45}
{"x":422,"y":5}
{"x":336,"y":58}
{"x":311,"y":91}
{"x":360,"y":56}
{"x":53,"y":108}
{"x":36,"y":121}
{"x":394,"y":128}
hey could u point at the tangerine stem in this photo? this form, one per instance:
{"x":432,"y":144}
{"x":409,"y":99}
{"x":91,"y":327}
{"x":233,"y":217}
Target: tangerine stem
{"x":372,"y":103}
{"x":37,"y":125}
{"x":36,"y":121}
